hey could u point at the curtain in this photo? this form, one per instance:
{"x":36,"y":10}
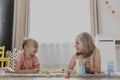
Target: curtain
{"x":21,"y":19}
{"x":95,"y":28}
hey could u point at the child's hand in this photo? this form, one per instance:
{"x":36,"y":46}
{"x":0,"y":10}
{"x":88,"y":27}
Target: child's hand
{"x":36,"y":70}
{"x":72,"y":72}
{"x":88,"y":66}
{"x":8,"y":70}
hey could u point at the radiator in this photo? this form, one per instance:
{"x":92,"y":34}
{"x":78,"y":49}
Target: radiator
{"x":55,"y":55}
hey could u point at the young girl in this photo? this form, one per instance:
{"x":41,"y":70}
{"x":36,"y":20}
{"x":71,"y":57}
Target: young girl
{"x":86,"y":51}
{"x":27,"y":61}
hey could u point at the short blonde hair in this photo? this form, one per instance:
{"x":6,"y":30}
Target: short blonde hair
{"x":88,"y":44}
{"x":28,"y":40}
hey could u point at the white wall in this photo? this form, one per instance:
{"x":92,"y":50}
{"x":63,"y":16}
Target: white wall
{"x":109,"y":23}
{"x":59,"y":20}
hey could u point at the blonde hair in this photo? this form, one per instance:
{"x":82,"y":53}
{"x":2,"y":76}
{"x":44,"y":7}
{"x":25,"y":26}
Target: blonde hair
{"x":88,"y":44}
{"x":26,"y":41}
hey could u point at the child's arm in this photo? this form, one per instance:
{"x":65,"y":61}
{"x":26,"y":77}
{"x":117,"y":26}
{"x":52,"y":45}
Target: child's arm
{"x":97,"y":68}
{"x":71,"y":65}
{"x":97,"y":64}
{"x":19,"y":70}
{"x":72,"y":62}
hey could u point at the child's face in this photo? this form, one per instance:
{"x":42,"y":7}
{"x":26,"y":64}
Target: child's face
{"x":79,"y":46}
{"x":32,"y":48}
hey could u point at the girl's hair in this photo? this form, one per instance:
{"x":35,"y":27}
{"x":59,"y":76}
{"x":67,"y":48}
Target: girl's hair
{"x":88,"y":44}
{"x":28,"y":40}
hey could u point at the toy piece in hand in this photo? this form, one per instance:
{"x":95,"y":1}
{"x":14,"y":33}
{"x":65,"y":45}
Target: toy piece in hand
{"x":67,"y":76}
